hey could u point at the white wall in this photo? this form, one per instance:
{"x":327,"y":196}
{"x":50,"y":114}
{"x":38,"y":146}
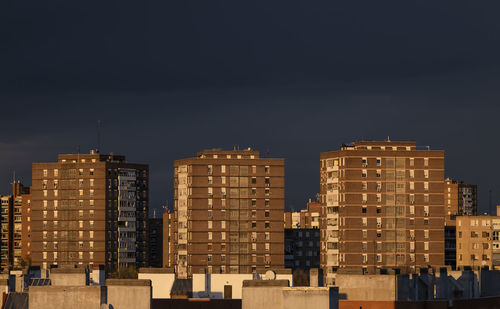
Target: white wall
{"x":161,"y":283}
{"x":217,"y":282}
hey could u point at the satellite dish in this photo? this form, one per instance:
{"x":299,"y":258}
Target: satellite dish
{"x":270,"y":275}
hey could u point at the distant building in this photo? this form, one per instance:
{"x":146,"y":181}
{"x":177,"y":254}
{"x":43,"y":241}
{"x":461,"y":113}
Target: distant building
{"x":302,"y":248}
{"x":382,"y":207}
{"x":155,"y":247}
{"x":12,"y":226}
{"x":168,"y":239}
{"x":459,"y":200}
{"x":89,"y":209}
{"x":229,"y":213}
{"x":478,"y":241}
{"x":306,"y":218}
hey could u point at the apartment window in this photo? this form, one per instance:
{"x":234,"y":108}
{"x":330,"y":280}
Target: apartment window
{"x":363,"y":173}
{"x":80,"y":244}
{"x":267,"y":169}
{"x":379,"y":258}
{"x":426,"y":211}
{"x":412,"y":173}
{"x":412,"y":210}
{"x":363,"y":209}
{"x":267,"y":246}
{"x":80,"y":224}
{"x":364,"y":246}
{"x":91,"y":171}
{"x":80,"y":192}
{"x":254,"y":180}
{"x":44,"y":214}
{"x":426,"y":221}
{"x":426,"y":258}
{"x":364,"y":162}
{"x":91,"y":223}
{"x":254,"y":191}
{"x":267,"y":191}
{"x":365,"y":233}
{"x":379,"y":197}
{"x":92,"y":192}
{"x":223,"y":258}
{"x":80,"y":213}
{"x":426,"y":173}
{"x":209,"y":235}
{"x":209,"y":224}
{"x":254,"y":246}
{"x":267,"y":236}
{"x":426,"y":161}
{"x":426,"y":245}
{"x":55,"y":234}
{"x":45,"y":173}
{"x":44,"y":245}
{"x":91,"y":202}
{"x":210,"y":180}
{"x":364,"y":185}
{"x":426,"y":186}
{"x":412,"y":185}
{"x":254,"y":169}
{"x":365,"y":221}
{"x":364,"y":197}
{"x":222,"y":168}
{"x":44,"y":254}
{"x":266,"y":214}
{"x":379,"y":161}
{"x":365,"y":258}
{"x":80,"y":234}
{"x":267,"y":225}
{"x":45,"y":193}
{"x":56,"y":172}
{"x":223,"y":180}
{"x":379,"y":173}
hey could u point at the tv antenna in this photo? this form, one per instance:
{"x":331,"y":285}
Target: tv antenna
{"x":98,"y":136}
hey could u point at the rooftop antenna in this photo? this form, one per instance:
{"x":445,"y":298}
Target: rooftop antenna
{"x":98,"y":136}
{"x":489,"y":205}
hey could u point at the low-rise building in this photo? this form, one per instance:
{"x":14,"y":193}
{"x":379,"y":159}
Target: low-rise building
{"x":478,"y":242}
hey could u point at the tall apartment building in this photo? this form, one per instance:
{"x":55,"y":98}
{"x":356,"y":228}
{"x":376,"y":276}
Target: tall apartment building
{"x":382,"y":208}
{"x":155,"y":243}
{"x":302,"y":237}
{"x":460,"y":199}
{"x":168,"y":239}
{"x":89,"y":209}
{"x":11,"y":222}
{"x":228,"y":213}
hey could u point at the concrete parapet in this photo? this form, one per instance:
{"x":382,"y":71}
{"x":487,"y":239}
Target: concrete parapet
{"x":76,"y":297}
{"x":128,"y":293}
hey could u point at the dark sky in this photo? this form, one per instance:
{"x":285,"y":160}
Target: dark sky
{"x":170,"y":78}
